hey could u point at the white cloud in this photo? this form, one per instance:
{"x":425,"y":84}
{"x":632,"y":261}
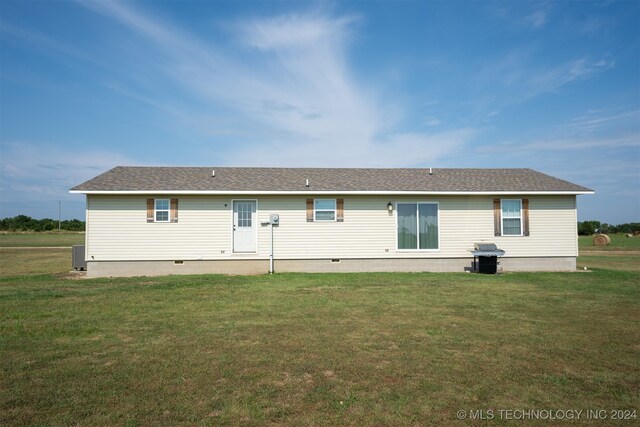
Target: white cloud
{"x":593,"y":147}
{"x":630,"y":140}
{"x":419,"y":149}
{"x":565,"y":144}
{"x":295,"y":31}
{"x":35,"y":172}
{"x":432,"y":121}
{"x":537,"y":19}
{"x":408,"y":149}
{"x":518,"y":76}
{"x":299,"y":96}
{"x":596,"y":129}
{"x":597,"y":120}
{"x":579,"y":69}
{"x":520,"y":15}
{"x":43,"y":42}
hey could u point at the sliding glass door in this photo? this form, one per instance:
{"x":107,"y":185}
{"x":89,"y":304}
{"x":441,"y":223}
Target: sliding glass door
{"x":417,"y":226}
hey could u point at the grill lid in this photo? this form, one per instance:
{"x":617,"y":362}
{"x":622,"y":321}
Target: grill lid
{"x":487,"y":249}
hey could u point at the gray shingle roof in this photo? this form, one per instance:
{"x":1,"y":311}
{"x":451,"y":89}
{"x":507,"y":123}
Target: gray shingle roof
{"x":229,"y":179}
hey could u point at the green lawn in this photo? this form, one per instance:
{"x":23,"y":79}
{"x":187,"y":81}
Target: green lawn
{"x":310,"y":349}
{"x":52,"y":238}
{"x":20,"y":261}
{"x":619,"y":242}
{"x":629,"y":261}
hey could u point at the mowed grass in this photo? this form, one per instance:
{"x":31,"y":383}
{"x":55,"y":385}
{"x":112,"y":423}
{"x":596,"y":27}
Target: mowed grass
{"x":50,"y":238}
{"x":21,"y":261}
{"x":312,"y":349}
{"x":628,"y":261}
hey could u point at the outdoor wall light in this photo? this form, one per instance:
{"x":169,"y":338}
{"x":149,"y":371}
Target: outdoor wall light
{"x":390,"y":207}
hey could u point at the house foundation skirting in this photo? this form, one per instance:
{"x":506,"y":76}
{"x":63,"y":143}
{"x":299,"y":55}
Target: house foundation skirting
{"x":261,"y":266}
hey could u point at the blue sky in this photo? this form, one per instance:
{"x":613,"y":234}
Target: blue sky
{"x":85,"y":86}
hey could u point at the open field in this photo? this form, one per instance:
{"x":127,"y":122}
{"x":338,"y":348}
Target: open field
{"x":52,"y":238}
{"x":296,"y":349}
{"x":622,"y":254}
{"x":619,"y":242}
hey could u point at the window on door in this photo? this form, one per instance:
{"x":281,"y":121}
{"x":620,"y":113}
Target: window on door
{"x":418,"y":226}
{"x":244,"y":214}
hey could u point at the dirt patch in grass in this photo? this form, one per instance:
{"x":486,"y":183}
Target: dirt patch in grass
{"x":72,"y":275}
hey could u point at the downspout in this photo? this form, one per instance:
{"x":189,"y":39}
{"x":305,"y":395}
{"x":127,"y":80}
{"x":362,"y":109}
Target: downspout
{"x":270,"y":225}
{"x":271,"y":251}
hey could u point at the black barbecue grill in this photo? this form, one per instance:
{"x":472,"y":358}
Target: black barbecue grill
{"x":485,"y":257}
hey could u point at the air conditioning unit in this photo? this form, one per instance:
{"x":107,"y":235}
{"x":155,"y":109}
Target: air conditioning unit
{"x":77,"y":258}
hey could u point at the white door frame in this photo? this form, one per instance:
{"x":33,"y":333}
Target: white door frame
{"x":255,"y":225}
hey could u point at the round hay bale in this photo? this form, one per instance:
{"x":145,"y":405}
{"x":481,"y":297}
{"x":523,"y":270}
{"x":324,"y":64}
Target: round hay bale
{"x":636,"y":232}
{"x":601,"y":240}
{"x":629,"y":235}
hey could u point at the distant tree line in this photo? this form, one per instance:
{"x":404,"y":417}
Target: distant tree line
{"x":26,"y":223}
{"x":587,"y":228}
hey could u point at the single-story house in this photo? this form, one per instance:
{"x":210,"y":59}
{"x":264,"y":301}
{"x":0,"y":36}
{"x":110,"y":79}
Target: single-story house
{"x":178,"y":220}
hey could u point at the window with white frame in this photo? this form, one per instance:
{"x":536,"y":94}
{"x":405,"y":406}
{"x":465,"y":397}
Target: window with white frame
{"x":417,"y":226}
{"x":511,"y":217}
{"x":162,"y":210}
{"x":324,"y":209}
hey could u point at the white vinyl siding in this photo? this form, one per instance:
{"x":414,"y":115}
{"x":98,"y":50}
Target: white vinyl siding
{"x":117,"y":229}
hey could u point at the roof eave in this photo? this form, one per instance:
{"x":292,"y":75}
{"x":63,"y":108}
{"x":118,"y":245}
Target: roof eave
{"x":355,"y":193}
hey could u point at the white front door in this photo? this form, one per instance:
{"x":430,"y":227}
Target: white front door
{"x":244,"y":226}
